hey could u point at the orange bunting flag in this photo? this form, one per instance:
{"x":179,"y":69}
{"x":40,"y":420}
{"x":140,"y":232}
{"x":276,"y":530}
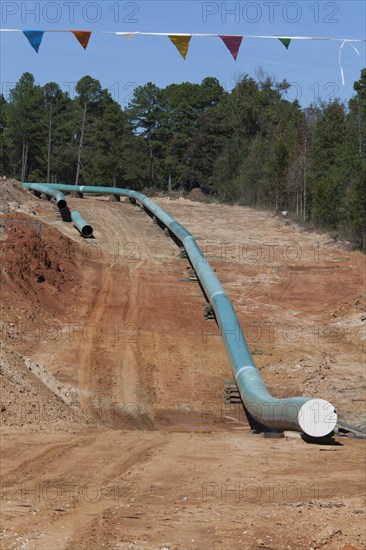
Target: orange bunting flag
{"x":233,"y":44}
{"x":82,"y":37}
{"x":181,"y":42}
{"x":285,"y":42}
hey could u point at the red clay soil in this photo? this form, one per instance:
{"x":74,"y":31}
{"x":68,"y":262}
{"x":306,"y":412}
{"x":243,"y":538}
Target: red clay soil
{"x":38,"y":264}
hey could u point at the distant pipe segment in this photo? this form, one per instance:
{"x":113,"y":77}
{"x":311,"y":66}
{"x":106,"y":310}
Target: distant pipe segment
{"x":315,"y":417}
{"x":47,"y":190}
{"x":85,"y":229}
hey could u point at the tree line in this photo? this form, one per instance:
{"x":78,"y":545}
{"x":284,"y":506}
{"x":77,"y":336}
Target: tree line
{"x":249,"y":146}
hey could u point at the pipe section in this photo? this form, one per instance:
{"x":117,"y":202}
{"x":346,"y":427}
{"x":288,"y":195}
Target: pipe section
{"x":315,"y":417}
{"x":85,"y":229}
{"x":49,"y":190}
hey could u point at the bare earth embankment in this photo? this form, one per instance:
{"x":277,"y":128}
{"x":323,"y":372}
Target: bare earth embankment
{"x":114,"y":432}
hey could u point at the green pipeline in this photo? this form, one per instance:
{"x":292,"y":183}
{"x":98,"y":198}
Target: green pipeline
{"x":52,"y":192}
{"x":85,"y":229}
{"x":313,"y":416}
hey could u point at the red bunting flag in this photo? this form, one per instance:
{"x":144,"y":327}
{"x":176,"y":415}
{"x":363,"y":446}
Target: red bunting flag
{"x":82,"y":37}
{"x":233,"y":44}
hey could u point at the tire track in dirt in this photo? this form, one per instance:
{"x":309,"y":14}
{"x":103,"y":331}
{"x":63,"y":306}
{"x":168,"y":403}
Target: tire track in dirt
{"x":74,"y":516}
{"x":128,"y":381}
{"x":87,"y":357}
{"x":42,"y":460}
{"x":115,"y":369}
{"x":132,"y":379}
{"x":122,"y":283}
{"x":89,"y":532}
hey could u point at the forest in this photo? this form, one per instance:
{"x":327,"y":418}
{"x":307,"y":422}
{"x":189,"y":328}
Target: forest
{"x":250,"y":146}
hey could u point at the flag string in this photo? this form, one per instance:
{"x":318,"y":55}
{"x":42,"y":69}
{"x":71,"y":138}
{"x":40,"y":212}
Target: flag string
{"x":182,"y":40}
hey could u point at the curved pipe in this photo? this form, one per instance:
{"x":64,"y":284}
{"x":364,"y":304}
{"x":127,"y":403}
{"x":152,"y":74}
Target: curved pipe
{"x":47,"y":190}
{"x":315,"y":417}
{"x":85,"y":229}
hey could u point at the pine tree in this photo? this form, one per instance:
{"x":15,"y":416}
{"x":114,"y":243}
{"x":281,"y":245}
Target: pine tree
{"x":89,"y":93}
{"x":26,"y":126}
{"x":329,"y":139}
{"x":55,"y":102}
{"x":102,"y":158}
{"x":4,"y":166}
{"x":144,"y":116}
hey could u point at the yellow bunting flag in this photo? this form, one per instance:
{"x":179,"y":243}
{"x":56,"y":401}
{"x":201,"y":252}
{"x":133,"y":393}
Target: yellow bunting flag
{"x":82,"y":37}
{"x":181,"y":42}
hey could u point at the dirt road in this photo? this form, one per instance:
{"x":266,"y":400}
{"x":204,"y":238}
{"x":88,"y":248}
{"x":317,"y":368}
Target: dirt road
{"x":129,"y":444}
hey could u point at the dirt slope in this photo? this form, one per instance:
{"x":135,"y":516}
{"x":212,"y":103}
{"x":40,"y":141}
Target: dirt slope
{"x":137,"y":449}
{"x":15,"y":198}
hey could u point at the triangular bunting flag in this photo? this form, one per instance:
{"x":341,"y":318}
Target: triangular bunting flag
{"x":233,"y":44}
{"x":181,"y":42}
{"x":127,"y":34}
{"x":82,"y":37}
{"x":285,"y":42}
{"x":34,"y":38}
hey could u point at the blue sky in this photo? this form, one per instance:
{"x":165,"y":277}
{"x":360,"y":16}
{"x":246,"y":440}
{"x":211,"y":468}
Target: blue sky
{"x":121,"y":64}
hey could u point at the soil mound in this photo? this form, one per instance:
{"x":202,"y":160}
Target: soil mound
{"x":13,"y":197}
{"x":38,"y":262}
{"x":27,"y":402}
